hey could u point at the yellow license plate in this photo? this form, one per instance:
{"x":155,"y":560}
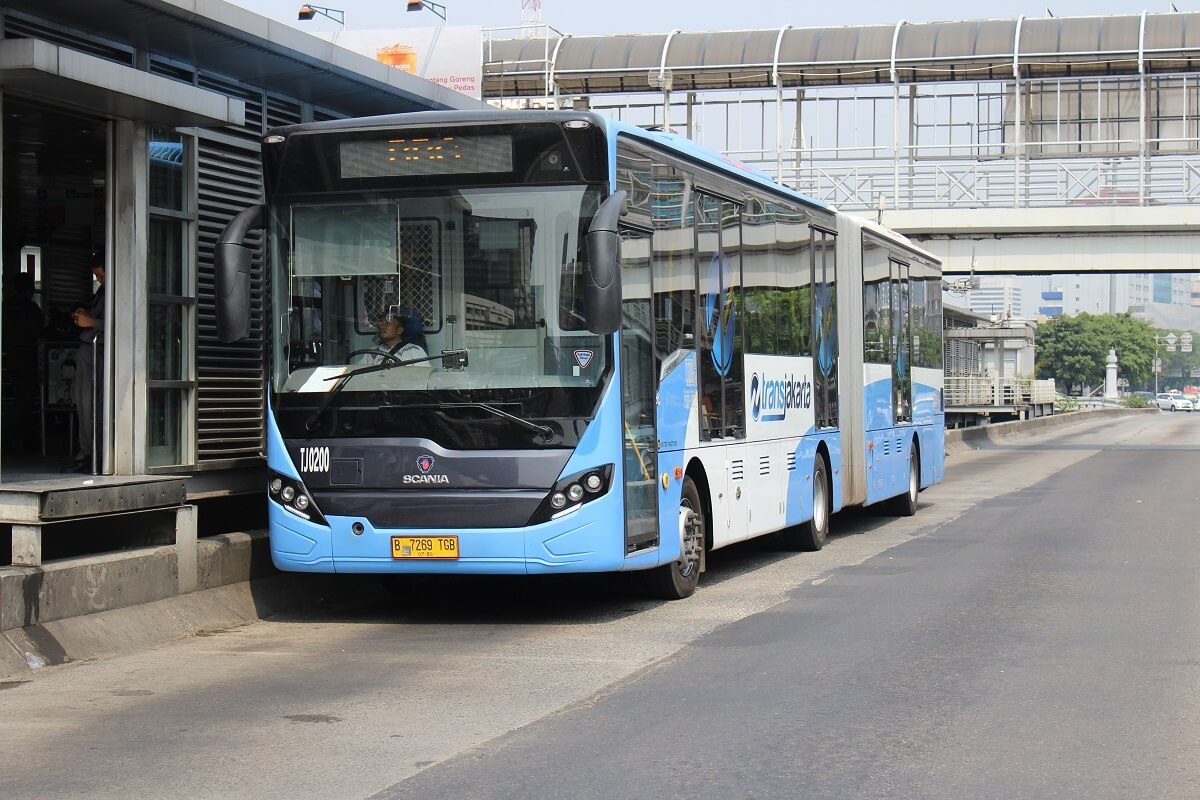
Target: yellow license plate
{"x":439,"y":547}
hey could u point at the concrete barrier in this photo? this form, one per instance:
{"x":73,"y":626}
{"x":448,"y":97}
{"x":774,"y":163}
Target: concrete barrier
{"x":140,"y":627}
{"x":78,"y":587}
{"x":963,"y":439}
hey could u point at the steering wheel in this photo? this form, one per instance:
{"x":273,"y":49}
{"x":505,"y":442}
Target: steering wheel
{"x":374,"y":352}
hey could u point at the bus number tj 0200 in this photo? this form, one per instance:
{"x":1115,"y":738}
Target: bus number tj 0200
{"x":314,"y":459}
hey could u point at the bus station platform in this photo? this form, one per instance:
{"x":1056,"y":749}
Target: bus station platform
{"x":38,"y":508}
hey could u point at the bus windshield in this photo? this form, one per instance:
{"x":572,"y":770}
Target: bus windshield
{"x":390,"y":277}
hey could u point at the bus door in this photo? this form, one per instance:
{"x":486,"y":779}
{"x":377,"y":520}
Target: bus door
{"x":824,"y":339}
{"x":639,"y":379}
{"x":902,"y":344}
{"x":720,"y":370}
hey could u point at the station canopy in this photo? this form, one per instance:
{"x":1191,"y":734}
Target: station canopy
{"x":796,"y":57}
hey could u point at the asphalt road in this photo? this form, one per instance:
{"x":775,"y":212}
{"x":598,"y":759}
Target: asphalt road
{"x":1033,"y":632}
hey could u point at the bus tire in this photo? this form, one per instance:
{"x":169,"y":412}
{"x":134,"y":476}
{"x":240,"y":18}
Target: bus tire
{"x":905,"y":505}
{"x":678,"y":580}
{"x":810,"y":536}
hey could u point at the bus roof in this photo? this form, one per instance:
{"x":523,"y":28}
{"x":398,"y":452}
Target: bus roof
{"x":712,"y":158}
{"x":684,"y":146}
{"x":884,"y":232}
{"x":384,"y":121}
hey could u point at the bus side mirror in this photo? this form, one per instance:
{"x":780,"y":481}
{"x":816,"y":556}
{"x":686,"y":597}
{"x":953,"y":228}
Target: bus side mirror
{"x":231,"y":265}
{"x":602,"y":275}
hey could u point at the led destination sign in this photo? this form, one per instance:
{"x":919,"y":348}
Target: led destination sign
{"x":406,"y":156}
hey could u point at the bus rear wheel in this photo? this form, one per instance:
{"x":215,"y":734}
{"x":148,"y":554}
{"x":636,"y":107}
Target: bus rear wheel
{"x":811,"y":535}
{"x":905,"y":505}
{"x":678,"y":580}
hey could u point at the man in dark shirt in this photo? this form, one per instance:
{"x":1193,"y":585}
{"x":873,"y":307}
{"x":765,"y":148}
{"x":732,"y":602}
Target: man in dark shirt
{"x":89,"y":363}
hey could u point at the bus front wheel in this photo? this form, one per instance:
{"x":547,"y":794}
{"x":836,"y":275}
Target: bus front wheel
{"x":678,"y":580}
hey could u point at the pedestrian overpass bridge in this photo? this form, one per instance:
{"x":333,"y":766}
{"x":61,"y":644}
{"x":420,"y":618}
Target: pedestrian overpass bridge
{"x":1005,"y":146}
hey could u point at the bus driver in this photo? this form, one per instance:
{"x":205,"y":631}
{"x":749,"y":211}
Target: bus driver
{"x":401,"y":335}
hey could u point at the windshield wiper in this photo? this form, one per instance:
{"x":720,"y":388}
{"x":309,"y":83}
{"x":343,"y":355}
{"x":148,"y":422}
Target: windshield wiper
{"x":544,"y":430}
{"x":451,"y":359}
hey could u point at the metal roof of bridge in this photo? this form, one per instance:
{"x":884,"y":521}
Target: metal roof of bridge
{"x":871,"y":54}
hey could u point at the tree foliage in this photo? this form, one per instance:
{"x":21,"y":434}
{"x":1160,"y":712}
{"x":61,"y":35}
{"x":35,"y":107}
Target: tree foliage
{"x":1073,"y":350}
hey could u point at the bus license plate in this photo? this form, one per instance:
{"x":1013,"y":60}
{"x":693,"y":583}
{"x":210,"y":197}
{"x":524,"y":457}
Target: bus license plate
{"x":441,"y":547}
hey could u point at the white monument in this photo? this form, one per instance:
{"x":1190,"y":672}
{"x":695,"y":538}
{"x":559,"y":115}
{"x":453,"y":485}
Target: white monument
{"x":1110,"y":376}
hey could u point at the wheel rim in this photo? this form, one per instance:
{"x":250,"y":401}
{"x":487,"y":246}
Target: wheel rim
{"x":820,"y":505}
{"x":691,"y":534}
{"x":912,"y":480}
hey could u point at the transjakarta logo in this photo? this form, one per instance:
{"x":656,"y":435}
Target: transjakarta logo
{"x":770,"y":398}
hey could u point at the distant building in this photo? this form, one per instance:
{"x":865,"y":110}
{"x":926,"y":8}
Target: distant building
{"x":998,"y":296}
{"x":1052,"y":304}
{"x":1150,"y":296}
{"x":977,"y":357}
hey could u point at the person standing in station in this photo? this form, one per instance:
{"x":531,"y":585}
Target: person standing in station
{"x":89,"y":366}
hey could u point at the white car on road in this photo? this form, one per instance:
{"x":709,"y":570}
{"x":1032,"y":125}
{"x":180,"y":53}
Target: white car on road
{"x":1173,"y":402}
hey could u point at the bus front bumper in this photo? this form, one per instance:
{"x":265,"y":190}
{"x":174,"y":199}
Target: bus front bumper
{"x":588,"y":540}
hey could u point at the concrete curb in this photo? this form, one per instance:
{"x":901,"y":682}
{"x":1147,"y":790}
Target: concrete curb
{"x":966,"y":439}
{"x":142,"y":627}
{"x":89,"y":585}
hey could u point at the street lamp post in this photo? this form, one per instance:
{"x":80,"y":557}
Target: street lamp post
{"x":436,"y":8}
{"x":308,"y":11}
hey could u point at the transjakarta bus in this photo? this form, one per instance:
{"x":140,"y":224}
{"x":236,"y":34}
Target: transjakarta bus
{"x":619,"y":350}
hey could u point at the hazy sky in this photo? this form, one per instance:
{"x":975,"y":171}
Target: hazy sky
{"x":582,"y":17}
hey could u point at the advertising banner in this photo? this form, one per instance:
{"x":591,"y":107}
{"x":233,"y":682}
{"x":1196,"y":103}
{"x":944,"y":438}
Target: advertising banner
{"x":448,"y":56}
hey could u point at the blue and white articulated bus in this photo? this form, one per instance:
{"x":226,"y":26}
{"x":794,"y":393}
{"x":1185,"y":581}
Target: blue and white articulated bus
{"x":547,"y":342}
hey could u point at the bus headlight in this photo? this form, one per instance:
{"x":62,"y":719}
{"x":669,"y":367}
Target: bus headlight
{"x":573,"y":492}
{"x":294,"y":498}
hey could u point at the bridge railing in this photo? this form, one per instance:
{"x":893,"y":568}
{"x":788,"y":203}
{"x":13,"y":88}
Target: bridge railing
{"x":992,"y":390}
{"x":1028,"y":141}
{"x":985,"y":176}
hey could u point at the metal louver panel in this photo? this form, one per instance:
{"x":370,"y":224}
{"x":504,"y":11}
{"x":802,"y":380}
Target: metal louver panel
{"x":172,"y":69}
{"x":229,"y":377}
{"x":19,"y":26}
{"x":283,"y":111}
{"x":253,"y":129}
